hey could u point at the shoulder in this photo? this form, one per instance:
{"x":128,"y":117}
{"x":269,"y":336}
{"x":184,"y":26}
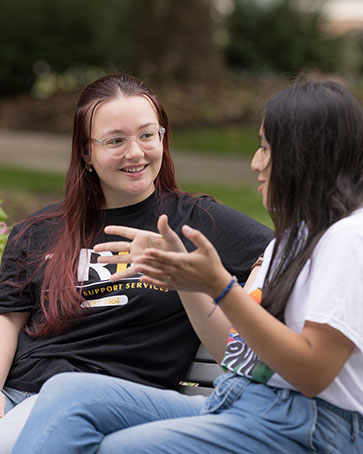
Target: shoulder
{"x":41,"y":220}
{"x":233,"y":219}
{"x":348,"y":230}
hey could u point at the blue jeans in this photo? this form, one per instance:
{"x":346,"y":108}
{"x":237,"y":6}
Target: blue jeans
{"x":18,"y":407}
{"x":86,"y":413}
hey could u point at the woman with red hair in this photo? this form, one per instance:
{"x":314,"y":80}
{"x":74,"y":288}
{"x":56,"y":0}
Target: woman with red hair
{"x":59,"y":310}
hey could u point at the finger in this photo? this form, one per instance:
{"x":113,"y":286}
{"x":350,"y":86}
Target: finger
{"x":113,"y":246}
{"x":165,"y":231}
{"x":158,"y":283}
{"x":196,"y":237}
{"x":163,"y":257}
{"x":126,"y":232}
{"x":120,"y":230}
{"x":128,"y":272}
{"x":146,"y":263}
{"x":123,"y":257}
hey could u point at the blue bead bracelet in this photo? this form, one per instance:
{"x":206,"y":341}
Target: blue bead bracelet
{"x":223,"y":293}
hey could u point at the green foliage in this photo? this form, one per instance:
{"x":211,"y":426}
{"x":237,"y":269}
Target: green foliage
{"x":4,"y":233}
{"x":279,"y":37}
{"x":58,"y":34}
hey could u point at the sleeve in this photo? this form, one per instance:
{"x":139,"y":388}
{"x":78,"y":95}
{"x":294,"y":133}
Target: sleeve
{"x":335,"y":285}
{"x":238,"y":239}
{"x":14,"y":289}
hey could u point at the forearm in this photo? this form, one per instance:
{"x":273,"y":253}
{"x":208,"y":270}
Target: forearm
{"x":10,"y":326}
{"x":212,"y":331}
{"x":298,"y":358}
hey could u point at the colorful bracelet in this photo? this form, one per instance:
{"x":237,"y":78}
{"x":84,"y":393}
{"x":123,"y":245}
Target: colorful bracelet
{"x":223,"y":294}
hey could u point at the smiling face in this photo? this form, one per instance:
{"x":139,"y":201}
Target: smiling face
{"x":128,"y":178}
{"x":261,"y":163}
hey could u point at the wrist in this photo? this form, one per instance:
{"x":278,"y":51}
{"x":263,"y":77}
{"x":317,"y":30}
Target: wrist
{"x":219,"y":284}
{"x":217,"y":299}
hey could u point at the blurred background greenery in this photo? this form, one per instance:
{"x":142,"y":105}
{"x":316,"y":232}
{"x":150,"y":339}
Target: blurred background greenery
{"x":213,"y":64}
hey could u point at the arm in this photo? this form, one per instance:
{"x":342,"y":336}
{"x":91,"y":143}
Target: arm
{"x":10,"y":326}
{"x":198,"y":306}
{"x":309,"y":361}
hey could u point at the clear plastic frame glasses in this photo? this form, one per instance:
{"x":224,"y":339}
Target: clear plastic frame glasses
{"x":147,"y":139}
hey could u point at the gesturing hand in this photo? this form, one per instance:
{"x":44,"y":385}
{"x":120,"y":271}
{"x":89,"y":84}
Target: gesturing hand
{"x":166,"y":240}
{"x":200,"y":270}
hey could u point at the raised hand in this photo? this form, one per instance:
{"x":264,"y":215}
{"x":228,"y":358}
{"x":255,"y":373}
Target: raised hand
{"x":200,"y":270}
{"x":141,"y":240}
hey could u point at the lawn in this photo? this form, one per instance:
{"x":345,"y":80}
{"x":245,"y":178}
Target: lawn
{"x":236,"y":140}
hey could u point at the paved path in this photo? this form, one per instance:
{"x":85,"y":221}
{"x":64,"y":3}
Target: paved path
{"x":50,"y":152}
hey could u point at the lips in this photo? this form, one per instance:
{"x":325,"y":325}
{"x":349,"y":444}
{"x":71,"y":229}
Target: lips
{"x":259,"y":189}
{"x":135,"y":169}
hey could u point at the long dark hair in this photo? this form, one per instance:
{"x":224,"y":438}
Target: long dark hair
{"x":315,"y":131}
{"x":60,"y":301}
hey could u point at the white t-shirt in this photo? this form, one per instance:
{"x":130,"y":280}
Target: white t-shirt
{"x":328,"y":290}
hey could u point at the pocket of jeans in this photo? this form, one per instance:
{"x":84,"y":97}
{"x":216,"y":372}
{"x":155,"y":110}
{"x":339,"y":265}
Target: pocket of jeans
{"x":227,"y":389}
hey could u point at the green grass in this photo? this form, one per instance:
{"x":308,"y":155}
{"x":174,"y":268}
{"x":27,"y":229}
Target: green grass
{"x":230,"y":140}
{"x":32,"y":181}
{"x":244,"y":199}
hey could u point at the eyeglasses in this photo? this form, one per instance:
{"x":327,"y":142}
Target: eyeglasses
{"x":147,"y":139}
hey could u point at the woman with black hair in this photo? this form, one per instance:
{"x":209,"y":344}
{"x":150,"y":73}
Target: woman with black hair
{"x":294,"y":358}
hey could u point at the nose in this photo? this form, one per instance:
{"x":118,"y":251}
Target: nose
{"x":257,"y":161}
{"x":134,"y":151}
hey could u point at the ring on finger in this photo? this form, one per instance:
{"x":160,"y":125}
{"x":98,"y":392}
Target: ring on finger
{"x":128,"y":248}
{"x":168,"y":279}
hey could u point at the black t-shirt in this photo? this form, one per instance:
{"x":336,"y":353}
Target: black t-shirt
{"x":130,"y":329}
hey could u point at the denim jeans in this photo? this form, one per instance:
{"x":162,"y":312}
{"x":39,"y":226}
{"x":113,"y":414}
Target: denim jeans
{"x":18,"y":407}
{"x":86,"y":413}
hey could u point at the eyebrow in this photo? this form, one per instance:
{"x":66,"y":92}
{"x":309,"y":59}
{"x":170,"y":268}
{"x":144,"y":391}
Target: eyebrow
{"x":121,"y":131}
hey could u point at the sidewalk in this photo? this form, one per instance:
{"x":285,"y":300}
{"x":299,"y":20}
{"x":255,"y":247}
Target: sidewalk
{"x":51,"y":153}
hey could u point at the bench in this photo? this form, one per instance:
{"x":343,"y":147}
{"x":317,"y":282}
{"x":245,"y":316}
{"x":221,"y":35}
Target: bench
{"x":201,"y":374}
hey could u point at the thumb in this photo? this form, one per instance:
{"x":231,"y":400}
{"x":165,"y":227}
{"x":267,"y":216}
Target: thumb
{"x":165,"y":231}
{"x":197,"y":238}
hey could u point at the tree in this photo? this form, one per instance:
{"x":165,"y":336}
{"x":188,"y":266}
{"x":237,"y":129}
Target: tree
{"x":176,"y":40}
{"x":61,"y":34}
{"x":279,"y":37}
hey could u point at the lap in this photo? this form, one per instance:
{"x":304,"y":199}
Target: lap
{"x":75,"y":411}
{"x":243,"y":417}
{"x":15,"y":418}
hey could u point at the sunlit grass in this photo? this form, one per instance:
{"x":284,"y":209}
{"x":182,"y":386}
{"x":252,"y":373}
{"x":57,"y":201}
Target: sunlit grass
{"x":229,"y":140}
{"x":32,"y":181}
{"x":244,"y":199}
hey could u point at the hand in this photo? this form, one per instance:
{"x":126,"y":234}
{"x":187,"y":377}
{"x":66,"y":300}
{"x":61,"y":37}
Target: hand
{"x":166,"y":240}
{"x":2,"y":404}
{"x":200,"y":270}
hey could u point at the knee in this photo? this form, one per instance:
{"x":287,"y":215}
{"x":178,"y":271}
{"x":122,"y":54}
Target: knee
{"x":63,"y":387}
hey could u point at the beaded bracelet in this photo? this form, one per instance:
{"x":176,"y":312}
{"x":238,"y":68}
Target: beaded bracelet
{"x":224,"y":293}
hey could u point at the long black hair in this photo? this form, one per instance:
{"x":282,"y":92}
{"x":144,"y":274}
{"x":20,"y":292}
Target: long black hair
{"x":315,"y":132}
